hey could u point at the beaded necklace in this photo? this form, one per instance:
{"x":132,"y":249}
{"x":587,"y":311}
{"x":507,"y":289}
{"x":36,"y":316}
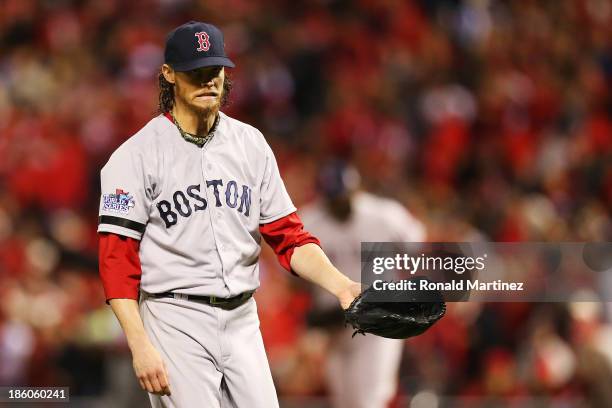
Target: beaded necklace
{"x":198,"y":141}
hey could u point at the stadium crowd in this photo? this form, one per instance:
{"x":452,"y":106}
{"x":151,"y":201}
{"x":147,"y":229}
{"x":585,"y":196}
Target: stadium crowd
{"x":489,"y":119}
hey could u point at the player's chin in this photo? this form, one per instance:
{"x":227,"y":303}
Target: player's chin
{"x":207,"y":103}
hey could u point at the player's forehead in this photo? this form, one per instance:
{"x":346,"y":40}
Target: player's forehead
{"x":213,"y":69}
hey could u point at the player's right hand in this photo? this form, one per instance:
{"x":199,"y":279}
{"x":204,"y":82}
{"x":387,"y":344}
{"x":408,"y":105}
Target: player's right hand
{"x":150,"y":369}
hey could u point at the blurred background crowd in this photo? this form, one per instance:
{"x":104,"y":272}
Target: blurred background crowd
{"x":488,"y":119}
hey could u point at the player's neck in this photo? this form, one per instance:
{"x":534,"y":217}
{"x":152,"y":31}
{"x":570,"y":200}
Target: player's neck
{"x":196,"y":123}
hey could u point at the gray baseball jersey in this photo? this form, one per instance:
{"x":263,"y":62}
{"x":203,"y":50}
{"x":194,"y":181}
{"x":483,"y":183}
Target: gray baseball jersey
{"x":373,"y":219}
{"x":196,"y":210}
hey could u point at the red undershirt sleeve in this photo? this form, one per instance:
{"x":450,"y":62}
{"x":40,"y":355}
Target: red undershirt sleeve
{"x":119,"y":266}
{"x":284,"y":235}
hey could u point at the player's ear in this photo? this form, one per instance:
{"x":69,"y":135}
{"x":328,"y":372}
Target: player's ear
{"x":168,"y":73}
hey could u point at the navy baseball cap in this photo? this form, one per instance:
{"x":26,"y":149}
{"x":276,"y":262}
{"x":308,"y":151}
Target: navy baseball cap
{"x":336,"y":178}
{"x":195,"y":45}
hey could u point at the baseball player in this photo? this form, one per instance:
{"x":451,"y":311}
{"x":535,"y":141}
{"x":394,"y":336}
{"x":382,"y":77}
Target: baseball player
{"x":185,"y":203}
{"x":362,"y":371}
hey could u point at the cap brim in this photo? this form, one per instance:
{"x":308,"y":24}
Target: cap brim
{"x":203,"y":62}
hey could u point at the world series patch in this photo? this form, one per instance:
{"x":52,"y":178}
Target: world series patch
{"x":121,"y":202}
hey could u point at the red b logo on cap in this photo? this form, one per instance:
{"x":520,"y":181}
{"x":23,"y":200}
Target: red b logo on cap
{"x":204,"y":44}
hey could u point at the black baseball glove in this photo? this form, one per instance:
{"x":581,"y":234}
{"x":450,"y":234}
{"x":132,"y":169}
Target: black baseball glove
{"x":395,"y":314}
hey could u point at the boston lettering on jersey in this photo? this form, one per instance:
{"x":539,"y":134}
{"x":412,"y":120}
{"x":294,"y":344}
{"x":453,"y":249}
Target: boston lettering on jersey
{"x":185,"y":203}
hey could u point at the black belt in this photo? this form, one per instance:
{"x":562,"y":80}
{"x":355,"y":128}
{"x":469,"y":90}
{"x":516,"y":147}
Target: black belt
{"x":223,"y":303}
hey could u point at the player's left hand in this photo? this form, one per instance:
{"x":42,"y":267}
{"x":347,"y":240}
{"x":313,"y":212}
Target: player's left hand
{"x":348,"y":294}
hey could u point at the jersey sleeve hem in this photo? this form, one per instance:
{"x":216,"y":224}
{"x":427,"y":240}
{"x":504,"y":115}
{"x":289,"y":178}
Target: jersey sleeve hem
{"x":116,"y":229}
{"x":122,"y":222}
{"x":278,"y":216}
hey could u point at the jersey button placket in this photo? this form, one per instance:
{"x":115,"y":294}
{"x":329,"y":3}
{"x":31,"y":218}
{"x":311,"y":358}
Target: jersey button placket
{"x":206,"y":172}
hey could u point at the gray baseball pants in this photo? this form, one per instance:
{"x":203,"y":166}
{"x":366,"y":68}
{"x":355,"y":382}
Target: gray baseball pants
{"x":215,"y":358}
{"x":363,"y":371}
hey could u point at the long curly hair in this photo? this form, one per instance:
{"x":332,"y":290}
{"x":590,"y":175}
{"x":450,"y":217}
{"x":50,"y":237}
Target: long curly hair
{"x":166,"y":93}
